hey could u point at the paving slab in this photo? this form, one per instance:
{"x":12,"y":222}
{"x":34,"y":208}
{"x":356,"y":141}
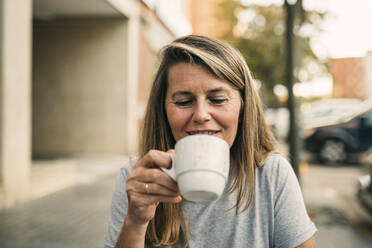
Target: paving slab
{"x":74,"y":217}
{"x":77,"y":216}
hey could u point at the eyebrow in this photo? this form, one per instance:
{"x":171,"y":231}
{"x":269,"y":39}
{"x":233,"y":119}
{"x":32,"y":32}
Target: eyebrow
{"x":216,"y":90}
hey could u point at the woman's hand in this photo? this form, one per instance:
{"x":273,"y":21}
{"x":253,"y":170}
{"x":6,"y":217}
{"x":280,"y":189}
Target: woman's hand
{"x":147,"y":185}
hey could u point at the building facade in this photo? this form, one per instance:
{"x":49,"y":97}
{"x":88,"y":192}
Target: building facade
{"x":352,"y":77}
{"x":204,"y":18}
{"x":74,"y":80}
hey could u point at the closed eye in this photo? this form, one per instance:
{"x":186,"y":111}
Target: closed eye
{"x":217,"y":100}
{"x":184,"y":103}
{"x":190,"y":102}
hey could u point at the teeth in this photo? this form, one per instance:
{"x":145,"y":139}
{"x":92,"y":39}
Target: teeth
{"x":204,"y":132}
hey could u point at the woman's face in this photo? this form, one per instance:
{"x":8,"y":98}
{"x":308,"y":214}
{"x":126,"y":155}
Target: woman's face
{"x":197,"y":102}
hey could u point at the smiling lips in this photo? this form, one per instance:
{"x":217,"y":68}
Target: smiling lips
{"x":208,"y":132}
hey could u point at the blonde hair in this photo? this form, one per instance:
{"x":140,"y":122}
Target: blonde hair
{"x":253,"y":143}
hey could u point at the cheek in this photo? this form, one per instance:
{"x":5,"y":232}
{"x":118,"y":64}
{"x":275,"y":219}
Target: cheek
{"x":230,"y":123}
{"x":230,"y":115}
{"x":177,"y":120}
{"x":229,"y":119}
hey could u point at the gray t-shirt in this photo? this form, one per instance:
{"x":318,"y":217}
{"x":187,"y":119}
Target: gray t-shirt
{"x":277,"y":216}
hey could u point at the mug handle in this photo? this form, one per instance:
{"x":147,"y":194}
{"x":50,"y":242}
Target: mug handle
{"x":171,"y":172}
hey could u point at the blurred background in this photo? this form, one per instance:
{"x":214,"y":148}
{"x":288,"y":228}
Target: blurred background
{"x":74,"y":81}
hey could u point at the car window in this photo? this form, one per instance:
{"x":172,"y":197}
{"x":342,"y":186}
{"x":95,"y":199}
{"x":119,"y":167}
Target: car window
{"x":368,"y":119}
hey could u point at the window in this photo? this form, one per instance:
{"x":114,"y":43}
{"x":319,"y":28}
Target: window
{"x":368,"y":119}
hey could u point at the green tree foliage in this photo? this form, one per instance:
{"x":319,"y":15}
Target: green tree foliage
{"x":258,"y":32}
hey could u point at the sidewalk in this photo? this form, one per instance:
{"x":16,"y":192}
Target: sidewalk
{"x":330,"y":197}
{"x":77,"y":216}
{"x":74,"y":217}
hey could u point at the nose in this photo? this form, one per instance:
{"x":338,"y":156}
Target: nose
{"x":201,"y":112}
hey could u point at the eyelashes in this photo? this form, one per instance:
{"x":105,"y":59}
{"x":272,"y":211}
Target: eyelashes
{"x":218,"y":101}
{"x":183,"y":103}
{"x":190,"y":102}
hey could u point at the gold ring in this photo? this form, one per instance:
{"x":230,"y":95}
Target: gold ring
{"x":147,"y":188}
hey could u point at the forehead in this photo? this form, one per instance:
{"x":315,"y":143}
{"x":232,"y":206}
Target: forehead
{"x":187,"y":76}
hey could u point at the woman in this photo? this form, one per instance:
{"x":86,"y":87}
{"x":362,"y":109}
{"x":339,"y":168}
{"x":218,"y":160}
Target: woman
{"x":204,"y":86}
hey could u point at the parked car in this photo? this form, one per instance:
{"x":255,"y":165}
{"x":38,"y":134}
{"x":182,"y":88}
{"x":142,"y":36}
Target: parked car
{"x":364,"y":192}
{"x":334,"y":141}
{"x":311,"y":115}
{"x":319,"y":113}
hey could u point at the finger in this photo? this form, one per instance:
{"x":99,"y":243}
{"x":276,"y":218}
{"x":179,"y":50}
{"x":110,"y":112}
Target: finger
{"x":155,"y":176}
{"x":147,"y":199}
{"x":171,"y":151}
{"x":156,"y":189}
{"x":155,"y":158}
{"x":151,"y":188}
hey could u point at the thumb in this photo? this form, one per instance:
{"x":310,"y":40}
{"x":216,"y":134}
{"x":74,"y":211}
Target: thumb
{"x":171,"y":151}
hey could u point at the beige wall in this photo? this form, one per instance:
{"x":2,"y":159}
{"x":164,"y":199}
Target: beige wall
{"x":1,"y":88}
{"x":79,"y":86}
{"x":15,"y":80}
{"x":368,"y":71}
{"x":348,"y":78}
{"x":203,"y":16}
{"x":152,"y":37}
{"x":84,"y":89}
{"x":148,"y":63}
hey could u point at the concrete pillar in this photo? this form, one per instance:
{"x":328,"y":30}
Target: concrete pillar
{"x":15,"y":82}
{"x":132,"y":86}
{"x":130,"y":9}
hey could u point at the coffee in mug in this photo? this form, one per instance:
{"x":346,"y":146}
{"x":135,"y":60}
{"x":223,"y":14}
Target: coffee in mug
{"x":200,"y":166}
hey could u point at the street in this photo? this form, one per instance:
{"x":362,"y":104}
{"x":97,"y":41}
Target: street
{"x":330,"y":196}
{"x":77,"y":216}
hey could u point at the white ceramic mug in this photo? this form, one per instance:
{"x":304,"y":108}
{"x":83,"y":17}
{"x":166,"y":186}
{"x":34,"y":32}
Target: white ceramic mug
{"x":200,"y":166}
